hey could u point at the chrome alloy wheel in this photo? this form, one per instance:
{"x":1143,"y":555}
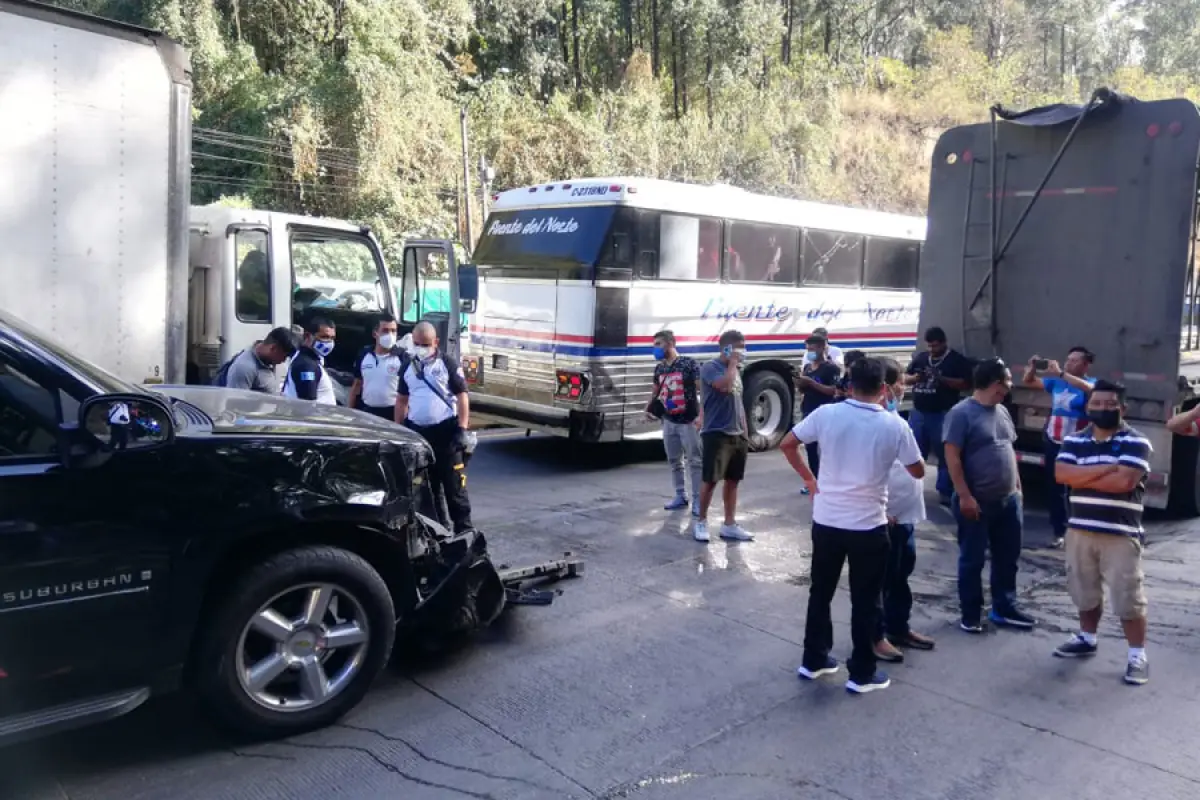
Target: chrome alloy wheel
{"x":302,"y":647}
{"x":768,"y":412}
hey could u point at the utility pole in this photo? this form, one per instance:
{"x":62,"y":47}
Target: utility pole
{"x":466,"y":168}
{"x":486,"y":176}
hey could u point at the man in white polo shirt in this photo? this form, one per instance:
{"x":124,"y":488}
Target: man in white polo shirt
{"x":859,"y":442}
{"x":377,"y":372}
{"x":431,"y":399}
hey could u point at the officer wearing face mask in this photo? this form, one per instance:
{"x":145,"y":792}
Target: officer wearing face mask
{"x":307,"y":378}
{"x":431,"y":399}
{"x":377,"y":372}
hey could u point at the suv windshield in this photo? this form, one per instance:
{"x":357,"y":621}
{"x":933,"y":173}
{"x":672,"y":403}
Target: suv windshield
{"x":106,"y":382}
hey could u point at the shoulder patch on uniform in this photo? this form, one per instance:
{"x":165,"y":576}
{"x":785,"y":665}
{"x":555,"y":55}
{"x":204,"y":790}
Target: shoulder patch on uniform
{"x":308,"y":376}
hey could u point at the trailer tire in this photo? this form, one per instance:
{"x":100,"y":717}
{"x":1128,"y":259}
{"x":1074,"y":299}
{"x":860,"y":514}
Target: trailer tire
{"x":770,"y":407}
{"x":1184,"y":497}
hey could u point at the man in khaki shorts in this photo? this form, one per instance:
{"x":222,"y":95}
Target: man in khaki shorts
{"x":1105,"y":466}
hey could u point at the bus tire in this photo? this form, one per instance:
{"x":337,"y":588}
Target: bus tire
{"x":1184,"y":497}
{"x":769,"y":409}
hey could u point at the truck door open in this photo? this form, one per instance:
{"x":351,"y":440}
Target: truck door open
{"x":339,"y":276}
{"x":426,"y":260}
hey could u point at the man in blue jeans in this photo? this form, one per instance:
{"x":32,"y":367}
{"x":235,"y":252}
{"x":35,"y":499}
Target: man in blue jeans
{"x":987,"y":503}
{"x":938,"y":378}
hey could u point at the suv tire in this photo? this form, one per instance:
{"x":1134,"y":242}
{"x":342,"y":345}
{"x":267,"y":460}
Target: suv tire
{"x":221,"y":667}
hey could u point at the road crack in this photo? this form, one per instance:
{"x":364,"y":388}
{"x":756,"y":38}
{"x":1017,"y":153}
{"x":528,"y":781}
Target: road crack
{"x":447,"y":764}
{"x":390,"y":767}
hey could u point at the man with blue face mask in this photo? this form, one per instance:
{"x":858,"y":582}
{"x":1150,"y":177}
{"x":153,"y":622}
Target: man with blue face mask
{"x":675,"y":401}
{"x":307,"y":378}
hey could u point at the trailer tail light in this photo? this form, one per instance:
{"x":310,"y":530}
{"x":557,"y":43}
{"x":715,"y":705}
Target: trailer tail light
{"x":571,"y":385}
{"x":615,"y":188}
{"x":1152,"y":130}
{"x":1175,"y":128}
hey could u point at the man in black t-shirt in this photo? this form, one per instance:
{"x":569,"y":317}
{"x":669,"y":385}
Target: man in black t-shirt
{"x":675,"y":401}
{"x":938,"y":378}
{"x":818,"y":383}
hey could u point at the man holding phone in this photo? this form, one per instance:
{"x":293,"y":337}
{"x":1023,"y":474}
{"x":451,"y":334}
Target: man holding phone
{"x":724,"y":442}
{"x":1068,"y":387}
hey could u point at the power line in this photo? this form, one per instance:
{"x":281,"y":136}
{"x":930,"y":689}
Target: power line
{"x":260,"y":139}
{"x":340,"y":163}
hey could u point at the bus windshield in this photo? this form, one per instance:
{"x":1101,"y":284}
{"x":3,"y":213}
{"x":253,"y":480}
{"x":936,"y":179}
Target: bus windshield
{"x":545,"y":237}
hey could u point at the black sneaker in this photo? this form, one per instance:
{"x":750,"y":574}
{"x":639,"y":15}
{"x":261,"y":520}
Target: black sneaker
{"x":878,"y":681}
{"x":971,"y":625}
{"x":1058,"y":542}
{"x":1075,"y":647}
{"x":1011,"y":618}
{"x":812,"y":673}
{"x":1137,"y":671}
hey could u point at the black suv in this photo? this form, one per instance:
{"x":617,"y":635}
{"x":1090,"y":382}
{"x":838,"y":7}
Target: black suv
{"x":261,"y":550}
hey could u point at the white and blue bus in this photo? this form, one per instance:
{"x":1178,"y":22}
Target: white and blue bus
{"x":577,"y":277}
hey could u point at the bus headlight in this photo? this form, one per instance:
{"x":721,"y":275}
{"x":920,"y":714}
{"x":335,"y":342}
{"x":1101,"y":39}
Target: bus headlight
{"x":571,"y":385}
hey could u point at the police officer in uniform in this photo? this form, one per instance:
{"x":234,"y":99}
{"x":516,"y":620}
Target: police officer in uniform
{"x":118,"y":425}
{"x":377,"y":372}
{"x":307,"y":378}
{"x":431,"y":399}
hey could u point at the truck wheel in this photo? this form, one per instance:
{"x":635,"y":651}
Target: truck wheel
{"x":297,"y":643}
{"x":1184,"y":497}
{"x":769,"y":409}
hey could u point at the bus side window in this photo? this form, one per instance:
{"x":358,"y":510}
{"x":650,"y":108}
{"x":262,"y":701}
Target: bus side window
{"x":689,"y":248}
{"x":765,"y":253}
{"x":645,"y":244}
{"x":892,"y":264}
{"x":832,"y":259}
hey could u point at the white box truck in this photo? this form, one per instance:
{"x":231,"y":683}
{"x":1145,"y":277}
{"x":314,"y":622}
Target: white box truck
{"x":101,"y":247}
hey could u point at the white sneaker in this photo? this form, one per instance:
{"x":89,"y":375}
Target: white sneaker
{"x":700,"y":531}
{"x":735,"y":532}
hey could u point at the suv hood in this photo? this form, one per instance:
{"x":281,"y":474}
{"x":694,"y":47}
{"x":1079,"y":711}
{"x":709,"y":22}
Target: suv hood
{"x":234,"y":411}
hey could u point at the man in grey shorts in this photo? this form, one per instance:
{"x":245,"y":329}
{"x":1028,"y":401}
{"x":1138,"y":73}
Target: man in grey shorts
{"x":253,"y":369}
{"x":723,"y":436}
{"x":676,"y":402}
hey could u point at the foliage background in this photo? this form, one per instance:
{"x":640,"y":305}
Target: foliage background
{"x":350,"y":108}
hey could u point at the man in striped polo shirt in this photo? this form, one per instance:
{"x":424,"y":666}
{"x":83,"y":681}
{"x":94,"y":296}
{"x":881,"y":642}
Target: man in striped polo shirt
{"x":1105,"y":466}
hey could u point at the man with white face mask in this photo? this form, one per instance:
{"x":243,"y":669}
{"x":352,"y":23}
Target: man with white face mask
{"x":431,"y":399}
{"x":306,"y":377}
{"x":377,"y":372}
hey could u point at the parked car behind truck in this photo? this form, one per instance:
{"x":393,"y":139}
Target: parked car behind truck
{"x":101,"y":244}
{"x":1076,"y":225}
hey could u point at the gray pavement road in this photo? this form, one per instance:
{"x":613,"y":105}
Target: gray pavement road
{"x":667,"y":672}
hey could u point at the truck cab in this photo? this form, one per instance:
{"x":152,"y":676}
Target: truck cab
{"x":253,"y":270}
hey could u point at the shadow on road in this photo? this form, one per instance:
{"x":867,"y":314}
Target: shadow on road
{"x":551,"y":454}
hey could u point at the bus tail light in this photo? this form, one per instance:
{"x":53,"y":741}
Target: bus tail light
{"x":472,"y":368}
{"x":571,"y":385}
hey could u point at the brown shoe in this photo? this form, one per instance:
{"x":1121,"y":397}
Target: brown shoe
{"x":914,"y":641}
{"x":887,"y":652}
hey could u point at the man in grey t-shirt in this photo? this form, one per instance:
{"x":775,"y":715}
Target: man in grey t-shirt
{"x":723,"y":441}
{"x":253,"y":369}
{"x":978,"y":438}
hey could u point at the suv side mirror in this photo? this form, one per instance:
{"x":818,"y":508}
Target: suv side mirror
{"x":468,"y":287}
{"x":127,"y":421}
